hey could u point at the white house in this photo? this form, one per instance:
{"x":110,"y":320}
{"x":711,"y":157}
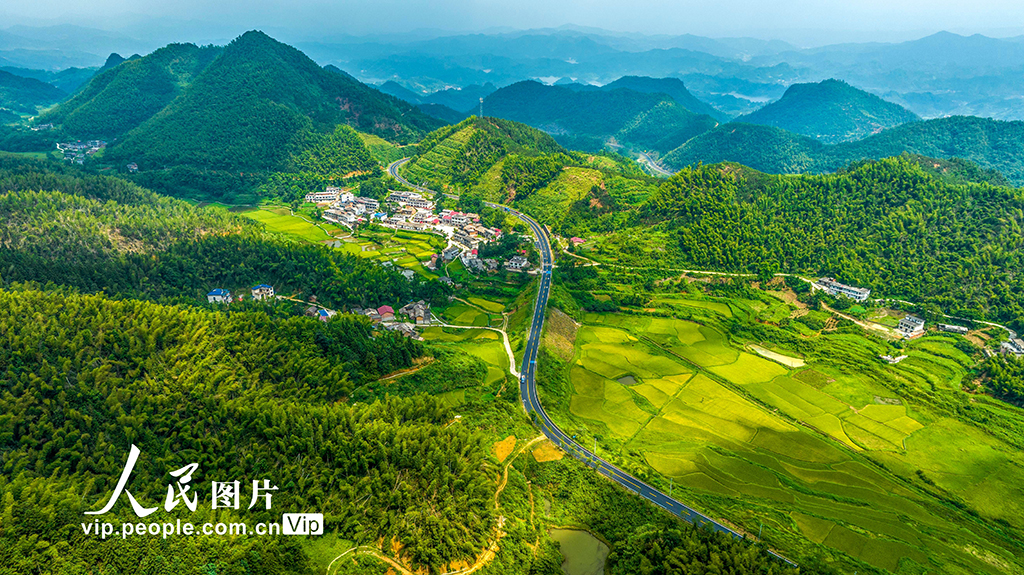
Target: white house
{"x":954,"y":328}
{"x":219,"y":295}
{"x":911,"y":327}
{"x":330,"y":195}
{"x":517,"y":263}
{"x":835,"y":288}
{"x":262,"y":291}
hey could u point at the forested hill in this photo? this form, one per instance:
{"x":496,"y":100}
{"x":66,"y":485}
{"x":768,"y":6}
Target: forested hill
{"x":245,"y":395}
{"x":831,"y":111}
{"x":887,"y":225}
{"x":23,"y":95}
{"x":591,"y":119}
{"x":992,"y":144}
{"x":674,"y":87}
{"x":455,"y":157}
{"x":130,"y":92}
{"x":99,"y":233}
{"x":248,"y":107}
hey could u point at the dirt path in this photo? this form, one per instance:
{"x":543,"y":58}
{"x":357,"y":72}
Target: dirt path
{"x":485,"y":556}
{"x":404,"y":372}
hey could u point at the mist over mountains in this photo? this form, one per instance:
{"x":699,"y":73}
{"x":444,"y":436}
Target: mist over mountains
{"x":937,"y":75}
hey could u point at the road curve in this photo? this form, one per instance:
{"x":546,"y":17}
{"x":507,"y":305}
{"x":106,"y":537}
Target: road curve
{"x":649,"y":161}
{"x":531,"y":400}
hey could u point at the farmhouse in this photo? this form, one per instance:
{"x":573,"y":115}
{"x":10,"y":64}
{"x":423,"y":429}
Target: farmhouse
{"x":892,"y":360}
{"x":325,"y":314}
{"x":418,"y":311}
{"x":386,"y":313}
{"x":328,"y":195}
{"x":835,"y":288}
{"x":911,"y":327}
{"x":219,"y":296}
{"x":954,"y":328}
{"x":517,"y":263}
{"x":262,"y":291}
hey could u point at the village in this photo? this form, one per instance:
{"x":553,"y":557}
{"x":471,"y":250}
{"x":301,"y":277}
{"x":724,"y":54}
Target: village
{"x":410,"y":211}
{"x":406,"y":319}
{"x":77,"y":151}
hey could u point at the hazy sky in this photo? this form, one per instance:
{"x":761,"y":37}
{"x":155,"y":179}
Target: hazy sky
{"x":804,"y":21}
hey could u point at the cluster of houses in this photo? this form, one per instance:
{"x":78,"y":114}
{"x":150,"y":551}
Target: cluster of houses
{"x":345,"y":207}
{"x":476,"y":265}
{"x":259,"y":292}
{"x":415,"y":313}
{"x":408,"y":211}
{"x":76,"y":152}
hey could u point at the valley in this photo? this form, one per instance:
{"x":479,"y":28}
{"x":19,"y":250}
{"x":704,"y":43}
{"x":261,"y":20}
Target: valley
{"x":509,"y":326}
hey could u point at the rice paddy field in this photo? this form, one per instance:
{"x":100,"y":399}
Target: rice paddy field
{"x":836,"y":451}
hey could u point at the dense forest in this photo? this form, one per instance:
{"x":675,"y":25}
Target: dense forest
{"x":103,"y":234}
{"x":1005,"y":378}
{"x":887,"y":225}
{"x":246,"y":396}
{"x":126,"y":95}
{"x":23,"y":95}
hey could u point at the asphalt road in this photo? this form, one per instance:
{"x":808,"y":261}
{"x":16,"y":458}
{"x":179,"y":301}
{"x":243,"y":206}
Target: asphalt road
{"x":654,"y":165}
{"x":531,"y":401}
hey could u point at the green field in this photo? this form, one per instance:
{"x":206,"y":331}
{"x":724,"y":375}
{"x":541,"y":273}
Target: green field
{"x":278,"y":220}
{"x":800,"y":449}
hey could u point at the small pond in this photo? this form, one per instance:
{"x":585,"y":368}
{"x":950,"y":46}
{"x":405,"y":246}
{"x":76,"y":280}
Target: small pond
{"x":582,"y":553}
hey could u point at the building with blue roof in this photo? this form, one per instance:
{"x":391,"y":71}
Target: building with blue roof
{"x":219,"y":295}
{"x":262,"y":291}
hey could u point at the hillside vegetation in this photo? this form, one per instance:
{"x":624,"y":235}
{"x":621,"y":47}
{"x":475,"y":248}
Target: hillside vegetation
{"x":245,"y":111}
{"x":455,"y":157}
{"x":25,"y":95}
{"x":129,"y":93}
{"x":831,"y":112}
{"x":886,"y":225}
{"x":991,"y":144}
{"x":592,"y":119}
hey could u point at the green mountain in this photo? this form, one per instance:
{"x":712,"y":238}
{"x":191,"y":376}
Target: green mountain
{"x":247,"y":109}
{"x":455,"y":157}
{"x":592,"y":119}
{"x":25,"y":95}
{"x":992,"y":144}
{"x":442,"y":112}
{"x":129,"y":92}
{"x":831,"y":111}
{"x":674,"y":87}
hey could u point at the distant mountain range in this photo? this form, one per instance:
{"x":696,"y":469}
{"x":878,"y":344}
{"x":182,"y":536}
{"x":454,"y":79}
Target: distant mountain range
{"x":23,"y":95}
{"x":992,"y":144}
{"x":831,"y":112}
{"x":584,"y":118}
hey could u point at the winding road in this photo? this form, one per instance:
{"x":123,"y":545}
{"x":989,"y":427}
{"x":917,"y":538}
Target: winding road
{"x":531,"y":400}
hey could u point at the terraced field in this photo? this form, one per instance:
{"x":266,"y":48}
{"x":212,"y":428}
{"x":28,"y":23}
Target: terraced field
{"x":437,"y":162}
{"x":800,"y":450}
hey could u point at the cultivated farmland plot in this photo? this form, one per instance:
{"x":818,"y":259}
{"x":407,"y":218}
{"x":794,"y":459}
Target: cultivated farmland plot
{"x":836,"y":449}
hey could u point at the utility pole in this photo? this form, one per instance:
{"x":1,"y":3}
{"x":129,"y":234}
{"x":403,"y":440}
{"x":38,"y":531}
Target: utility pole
{"x":481,"y":107}
{"x":759,"y":531}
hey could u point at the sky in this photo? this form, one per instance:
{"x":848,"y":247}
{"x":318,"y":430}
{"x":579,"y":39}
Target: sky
{"x":804,"y":22}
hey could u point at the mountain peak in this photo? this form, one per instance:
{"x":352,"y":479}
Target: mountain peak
{"x":831,"y":111}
